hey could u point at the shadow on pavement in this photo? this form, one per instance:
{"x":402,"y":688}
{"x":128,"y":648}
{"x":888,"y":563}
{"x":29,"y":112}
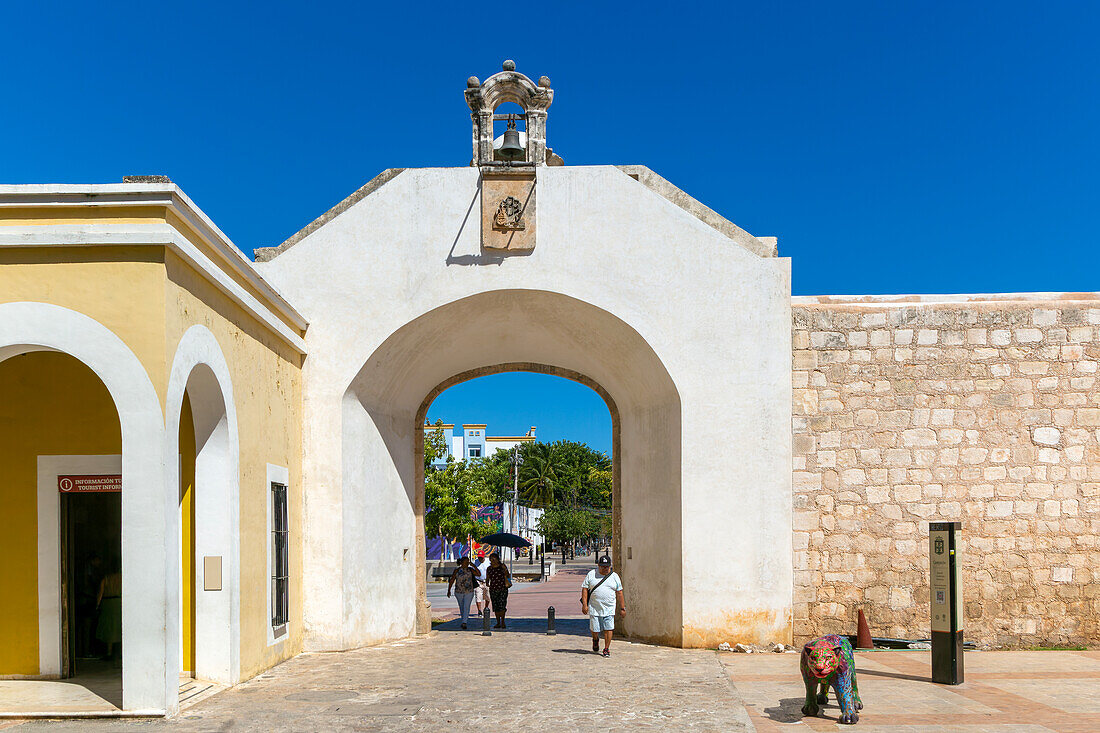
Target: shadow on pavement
{"x":892,"y":675}
{"x":563,"y":626}
{"x":789,"y":710}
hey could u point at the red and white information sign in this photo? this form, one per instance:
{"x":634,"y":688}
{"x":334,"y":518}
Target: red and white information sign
{"x":86,"y":484}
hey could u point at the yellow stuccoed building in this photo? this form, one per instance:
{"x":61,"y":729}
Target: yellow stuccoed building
{"x":150,"y":398}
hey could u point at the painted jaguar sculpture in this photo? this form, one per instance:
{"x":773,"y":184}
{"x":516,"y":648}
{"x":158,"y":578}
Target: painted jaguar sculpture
{"x":828,"y":660}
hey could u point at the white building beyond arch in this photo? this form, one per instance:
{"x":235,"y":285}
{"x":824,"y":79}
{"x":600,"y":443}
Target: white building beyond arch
{"x":199,"y":369}
{"x":27,"y":326}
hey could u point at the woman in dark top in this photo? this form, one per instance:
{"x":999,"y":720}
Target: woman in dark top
{"x":500,"y":580}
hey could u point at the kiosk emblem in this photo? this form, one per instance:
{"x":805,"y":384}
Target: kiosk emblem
{"x":939,"y":545}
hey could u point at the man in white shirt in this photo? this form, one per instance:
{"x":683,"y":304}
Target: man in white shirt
{"x":600,"y":590}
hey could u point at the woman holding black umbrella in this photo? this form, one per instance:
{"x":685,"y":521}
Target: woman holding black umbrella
{"x":500,"y":580}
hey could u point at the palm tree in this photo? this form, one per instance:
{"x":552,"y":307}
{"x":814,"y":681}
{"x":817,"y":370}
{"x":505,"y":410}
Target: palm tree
{"x":539,"y":474}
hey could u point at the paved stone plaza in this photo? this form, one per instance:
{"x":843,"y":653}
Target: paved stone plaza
{"x":519,"y":680}
{"x":524,"y":680}
{"x":1013,"y":692}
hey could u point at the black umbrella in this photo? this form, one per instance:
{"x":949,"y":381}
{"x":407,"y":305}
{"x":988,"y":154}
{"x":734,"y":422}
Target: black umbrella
{"x":504,"y":539}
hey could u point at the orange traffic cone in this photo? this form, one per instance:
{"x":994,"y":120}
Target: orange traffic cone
{"x":863,"y":633}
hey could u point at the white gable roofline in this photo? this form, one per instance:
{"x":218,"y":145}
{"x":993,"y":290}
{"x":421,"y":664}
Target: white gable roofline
{"x":266,"y":254}
{"x":761,"y":246}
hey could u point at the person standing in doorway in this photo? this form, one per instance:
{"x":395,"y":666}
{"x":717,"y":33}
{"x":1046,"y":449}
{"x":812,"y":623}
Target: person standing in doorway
{"x":464,"y":582}
{"x":500,"y":580}
{"x":108,"y":602}
{"x":600,"y":591}
{"x":88,"y":588}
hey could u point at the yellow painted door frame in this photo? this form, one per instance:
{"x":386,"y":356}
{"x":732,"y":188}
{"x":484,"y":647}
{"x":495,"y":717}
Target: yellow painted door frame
{"x":187,"y":538}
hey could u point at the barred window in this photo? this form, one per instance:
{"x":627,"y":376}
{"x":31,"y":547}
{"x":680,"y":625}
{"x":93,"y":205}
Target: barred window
{"x":280,"y":563}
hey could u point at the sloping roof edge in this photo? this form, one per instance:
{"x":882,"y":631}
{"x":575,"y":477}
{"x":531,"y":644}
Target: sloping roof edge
{"x":761,"y":246}
{"x":266,"y":254}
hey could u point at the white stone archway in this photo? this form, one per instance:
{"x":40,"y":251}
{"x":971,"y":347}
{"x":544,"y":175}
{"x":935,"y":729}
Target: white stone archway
{"x":147,"y":682}
{"x":537,"y":331}
{"x":199,"y":369}
{"x":711,"y":302}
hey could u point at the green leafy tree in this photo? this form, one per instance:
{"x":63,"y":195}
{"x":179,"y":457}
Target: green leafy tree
{"x":563,"y":473}
{"x":557,"y":524}
{"x":493,"y":474}
{"x":576,"y":484}
{"x":451,"y":495}
{"x":598,"y":489}
{"x":566,"y":526}
{"x":435,"y":445}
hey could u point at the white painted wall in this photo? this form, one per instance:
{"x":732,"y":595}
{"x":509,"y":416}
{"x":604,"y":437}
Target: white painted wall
{"x":687,"y":331}
{"x":492,"y":445}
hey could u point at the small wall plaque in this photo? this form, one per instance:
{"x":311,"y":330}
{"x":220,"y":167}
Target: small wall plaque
{"x":212,"y":572}
{"x":508,"y":209}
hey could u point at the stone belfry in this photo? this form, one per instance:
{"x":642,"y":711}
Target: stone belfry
{"x":509,"y":85}
{"x":509,"y":165}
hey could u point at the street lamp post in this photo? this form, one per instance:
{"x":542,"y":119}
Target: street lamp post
{"x":516,"y":461}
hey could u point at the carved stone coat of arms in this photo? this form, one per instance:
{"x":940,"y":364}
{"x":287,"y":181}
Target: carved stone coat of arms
{"x":509,"y":214}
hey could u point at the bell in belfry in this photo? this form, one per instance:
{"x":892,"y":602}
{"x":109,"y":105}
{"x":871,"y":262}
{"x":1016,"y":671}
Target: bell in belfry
{"x":511,"y":150}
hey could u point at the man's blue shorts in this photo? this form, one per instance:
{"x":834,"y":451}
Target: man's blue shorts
{"x":601,"y":623}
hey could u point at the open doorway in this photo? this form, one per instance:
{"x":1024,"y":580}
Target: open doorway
{"x":91,"y":572}
{"x":524,"y":452}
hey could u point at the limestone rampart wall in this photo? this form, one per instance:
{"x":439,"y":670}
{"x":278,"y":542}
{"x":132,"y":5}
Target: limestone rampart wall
{"x":983,"y":409}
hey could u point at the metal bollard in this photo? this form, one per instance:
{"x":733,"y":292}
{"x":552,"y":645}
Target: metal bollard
{"x":542,"y":573}
{"x":485,"y":623}
{"x":550,"y":630}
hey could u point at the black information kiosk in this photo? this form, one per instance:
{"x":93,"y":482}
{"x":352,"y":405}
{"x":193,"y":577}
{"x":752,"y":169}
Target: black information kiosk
{"x":946,"y":601}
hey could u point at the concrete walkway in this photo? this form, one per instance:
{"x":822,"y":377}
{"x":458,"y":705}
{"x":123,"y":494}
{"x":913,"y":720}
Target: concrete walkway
{"x":514,"y":680}
{"x":1017,"y":692}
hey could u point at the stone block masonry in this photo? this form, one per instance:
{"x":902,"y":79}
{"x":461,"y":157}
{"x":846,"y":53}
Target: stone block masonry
{"x":983,"y":409}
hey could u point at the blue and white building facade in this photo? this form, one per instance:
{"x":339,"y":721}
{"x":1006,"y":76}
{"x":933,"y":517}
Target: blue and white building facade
{"x":472,"y":441}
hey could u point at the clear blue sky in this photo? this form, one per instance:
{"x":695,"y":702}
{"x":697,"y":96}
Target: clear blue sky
{"x":892,"y":147}
{"x":509,"y":404}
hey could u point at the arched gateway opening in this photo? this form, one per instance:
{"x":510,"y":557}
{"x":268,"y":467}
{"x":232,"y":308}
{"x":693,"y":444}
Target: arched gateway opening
{"x":544,"y":454}
{"x":510,"y":330}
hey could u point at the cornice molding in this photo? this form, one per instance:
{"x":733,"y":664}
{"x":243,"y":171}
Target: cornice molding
{"x":272,"y":308}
